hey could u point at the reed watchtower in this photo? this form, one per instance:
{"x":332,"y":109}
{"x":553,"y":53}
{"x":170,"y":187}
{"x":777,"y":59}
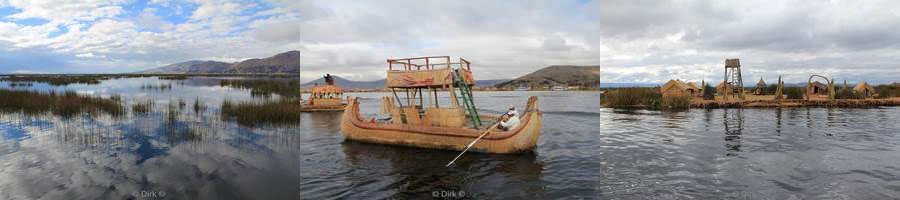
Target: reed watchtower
{"x":733,"y":78}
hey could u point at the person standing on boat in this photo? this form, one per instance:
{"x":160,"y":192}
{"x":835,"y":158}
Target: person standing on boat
{"x":512,"y":119}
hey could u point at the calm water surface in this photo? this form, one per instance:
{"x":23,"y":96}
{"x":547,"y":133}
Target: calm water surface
{"x":590,"y":152}
{"x":175,"y":153}
{"x":585,"y":151}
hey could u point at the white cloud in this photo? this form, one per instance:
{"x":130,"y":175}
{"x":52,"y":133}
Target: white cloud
{"x":66,"y":12}
{"x":555,"y":43}
{"x":502,"y":39}
{"x":27,"y":72}
{"x":149,"y":20}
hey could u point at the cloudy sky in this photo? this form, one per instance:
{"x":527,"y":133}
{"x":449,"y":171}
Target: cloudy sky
{"x":634,"y":40}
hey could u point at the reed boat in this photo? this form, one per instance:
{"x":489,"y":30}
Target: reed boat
{"x":324,"y":98}
{"x":416,"y":123}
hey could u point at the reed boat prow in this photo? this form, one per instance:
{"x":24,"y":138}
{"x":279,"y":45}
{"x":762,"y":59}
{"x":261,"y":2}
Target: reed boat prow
{"x":522,"y":138}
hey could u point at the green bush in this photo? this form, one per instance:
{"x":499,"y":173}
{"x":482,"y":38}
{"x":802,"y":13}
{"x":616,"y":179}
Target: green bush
{"x":794,"y":92}
{"x":709,"y":92}
{"x":847,"y":93}
{"x":649,"y":98}
{"x":630,"y":97}
{"x":887,"y":91}
{"x":675,"y":103}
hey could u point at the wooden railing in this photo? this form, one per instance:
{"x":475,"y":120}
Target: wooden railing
{"x":428,"y":62}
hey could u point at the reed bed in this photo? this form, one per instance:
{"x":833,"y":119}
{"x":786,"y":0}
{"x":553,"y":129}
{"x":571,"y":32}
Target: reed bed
{"x":66,"y":104}
{"x":675,"y":103}
{"x":18,"y":84}
{"x":58,"y":80}
{"x":142,"y":107}
{"x":649,"y":98}
{"x":283,"y":111}
{"x":198,"y":107}
{"x":160,"y":87}
{"x":172,"y":112}
{"x":174,"y":77}
{"x":284,"y":88}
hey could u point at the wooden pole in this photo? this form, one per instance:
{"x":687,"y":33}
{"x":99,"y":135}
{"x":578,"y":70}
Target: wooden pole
{"x":453,"y":99}
{"x":476,"y":140}
{"x":725,"y":83}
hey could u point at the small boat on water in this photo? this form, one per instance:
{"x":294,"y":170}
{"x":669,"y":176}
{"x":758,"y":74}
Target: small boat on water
{"x":522,"y":88}
{"x":430,"y":125}
{"x":559,"y":88}
{"x":324,"y":98}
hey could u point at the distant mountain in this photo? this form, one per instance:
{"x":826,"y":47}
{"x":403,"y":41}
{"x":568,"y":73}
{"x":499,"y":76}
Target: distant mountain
{"x":287,"y":62}
{"x":586,"y":76}
{"x":177,"y":67}
{"x":344,"y":83}
{"x":489,"y":83}
{"x":208,"y":67}
{"x":627,"y":85}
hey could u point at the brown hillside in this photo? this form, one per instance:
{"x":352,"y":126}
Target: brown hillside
{"x":587,"y":76}
{"x":287,"y":62}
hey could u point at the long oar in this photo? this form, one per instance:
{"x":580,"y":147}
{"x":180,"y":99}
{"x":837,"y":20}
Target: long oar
{"x":473,"y":142}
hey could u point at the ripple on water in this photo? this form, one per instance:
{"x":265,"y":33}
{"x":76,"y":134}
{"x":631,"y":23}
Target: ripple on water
{"x":591,"y":152}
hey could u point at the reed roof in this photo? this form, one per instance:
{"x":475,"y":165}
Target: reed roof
{"x":678,"y":87}
{"x":863,"y":87}
{"x":323,"y":89}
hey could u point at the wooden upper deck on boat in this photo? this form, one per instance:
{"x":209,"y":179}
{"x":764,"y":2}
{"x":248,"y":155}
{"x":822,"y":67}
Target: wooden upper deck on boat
{"x":426,"y":72}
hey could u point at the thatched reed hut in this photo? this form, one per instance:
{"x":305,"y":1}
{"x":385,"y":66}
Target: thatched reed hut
{"x":864,"y":88}
{"x":679,"y":88}
{"x":817,"y":88}
{"x":760,"y":86}
{"x":723,"y":88}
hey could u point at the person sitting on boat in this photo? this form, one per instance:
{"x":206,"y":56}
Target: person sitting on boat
{"x":511,"y":121}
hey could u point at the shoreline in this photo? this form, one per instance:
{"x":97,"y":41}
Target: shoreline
{"x":599,"y":91}
{"x":837,"y":103}
{"x":787,"y":103}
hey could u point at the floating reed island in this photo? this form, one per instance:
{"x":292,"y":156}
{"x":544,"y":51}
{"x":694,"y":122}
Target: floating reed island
{"x":731,"y":92}
{"x":659,"y":98}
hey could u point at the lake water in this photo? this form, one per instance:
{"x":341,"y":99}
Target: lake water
{"x":585,"y":151}
{"x":599,"y":153}
{"x":193,"y":155}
